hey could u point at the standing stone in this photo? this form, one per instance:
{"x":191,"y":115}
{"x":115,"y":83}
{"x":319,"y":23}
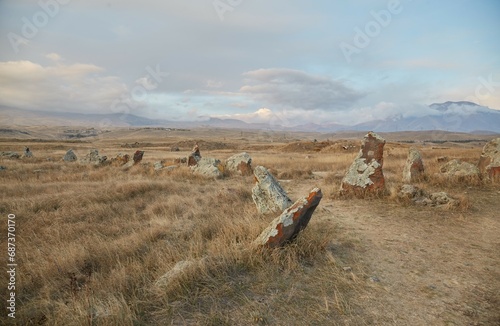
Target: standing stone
{"x":138,"y":156}
{"x":268,"y":195}
{"x":240,"y":163}
{"x":27,"y":153}
{"x":294,"y":219}
{"x":93,"y":157}
{"x":489,"y":162}
{"x":414,"y":167}
{"x":365,"y":174}
{"x":70,"y":156}
{"x":195,"y":156}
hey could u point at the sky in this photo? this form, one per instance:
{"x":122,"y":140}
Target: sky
{"x":284,"y":61}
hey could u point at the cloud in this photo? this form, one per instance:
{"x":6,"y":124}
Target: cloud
{"x":54,"y":57}
{"x":82,"y":88}
{"x":296,"y":89}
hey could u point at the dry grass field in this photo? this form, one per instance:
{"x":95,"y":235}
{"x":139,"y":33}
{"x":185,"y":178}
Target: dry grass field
{"x":93,"y":241}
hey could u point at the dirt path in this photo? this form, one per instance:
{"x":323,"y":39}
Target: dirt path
{"x":424,"y":266}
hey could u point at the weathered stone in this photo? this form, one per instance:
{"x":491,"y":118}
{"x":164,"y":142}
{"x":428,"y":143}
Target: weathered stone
{"x":410,"y":192}
{"x":208,"y":167}
{"x":489,"y":162}
{"x":414,"y":167}
{"x":441,"y":198}
{"x":2,"y":168}
{"x":442,"y":159}
{"x":120,"y":159}
{"x":10,"y":154}
{"x":192,"y":159}
{"x":365,"y":174}
{"x":27,"y":153}
{"x":180,"y":160}
{"x":158,"y":165}
{"x":240,"y":163}
{"x":267,"y":193}
{"x":180,"y":269}
{"x":93,"y":157}
{"x":422,"y":198}
{"x":138,"y":156}
{"x":70,"y":156}
{"x":174,"y":149}
{"x":294,"y":219}
{"x":457,"y":168}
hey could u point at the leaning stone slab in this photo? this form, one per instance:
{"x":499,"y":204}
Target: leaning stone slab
{"x":294,"y":219}
{"x":240,"y":163}
{"x":208,"y":167}
{"x":414,"y":167}
{"x":365,"y":174}
{"x":489,"y":162}
{"x":268,"y":195}
{"x":70,"y":156}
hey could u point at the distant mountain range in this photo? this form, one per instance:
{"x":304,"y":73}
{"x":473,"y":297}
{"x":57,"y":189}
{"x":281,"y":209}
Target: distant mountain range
{"x":449,"y":116}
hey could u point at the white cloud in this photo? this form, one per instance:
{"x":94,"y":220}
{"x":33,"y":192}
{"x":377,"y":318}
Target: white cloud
{"x":82,"y":88}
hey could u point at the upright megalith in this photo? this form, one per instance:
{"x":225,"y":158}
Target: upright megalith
{"x":70,"y":156}
{"x":489,"y":162}
{"x":268,"y":195}
{"x":138,"y":157}
{"x":93,"y":157}
{"x":365,"y":174}
{"x":195,"y":156}
{"x":294,"y":219}
{"x":414,"y":167}
{"x":27,"y":153}
{"x":240,"y":163}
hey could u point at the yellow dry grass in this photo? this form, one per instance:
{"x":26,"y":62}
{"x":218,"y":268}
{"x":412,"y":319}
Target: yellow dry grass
{"x":93,"y":241}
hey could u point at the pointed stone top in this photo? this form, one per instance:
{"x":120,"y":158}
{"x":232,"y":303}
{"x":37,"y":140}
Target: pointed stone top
{"x":372,"y":134}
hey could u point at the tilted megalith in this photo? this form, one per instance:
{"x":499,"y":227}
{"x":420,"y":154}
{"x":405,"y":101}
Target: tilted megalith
{"x":268,"y":195}
{"x":365,"y":174}
{"x":240,"y":163}
{"x":414,"y":167}
{"x":294,"y":219}
{"x":489,"y":162}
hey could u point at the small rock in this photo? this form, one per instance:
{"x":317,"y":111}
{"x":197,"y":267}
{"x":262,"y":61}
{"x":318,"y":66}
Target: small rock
{"x":27,"y":153}
{"x":158,"y":166}
{"x":2,"y":168}
{"x":442,"y":159}
{"x":374,"y":279}
{"x":174,"y":149}
{"x":10,"y":154}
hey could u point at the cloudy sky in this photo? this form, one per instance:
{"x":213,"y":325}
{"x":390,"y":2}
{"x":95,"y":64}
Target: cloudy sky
{"x":286,"y":61}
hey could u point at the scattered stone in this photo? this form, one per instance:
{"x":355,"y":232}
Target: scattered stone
{"x":93,"y":157}
{"x":10,"y":154}
{"x":158,"y":165}
{"x":489,"y":162}
{"x":174,"y":149}
{"x":267,"y":193}
{"x":365,"y":173}
{"x":414,"y":167}
{"x":442,"y":159}
{"x":457,"y":168}
{"x":180,"y":160}
{"x":171,"y":167}
{"x":422,"y":198}
{"x":70,"y":156}
{"x":120,"y":159}
{"x":240,"y":163}
{"x":208,"y":167}
{"x":180,"y":269}
{"x":138,"y":156}
{"x":2,"y":168}
{"x":27,"y":153}
{"x":294,"y":219}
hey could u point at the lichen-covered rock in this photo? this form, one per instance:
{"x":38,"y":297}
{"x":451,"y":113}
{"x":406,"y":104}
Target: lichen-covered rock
{"x":93,"y":157}
{"x":457,"y":168}
{"x":70,"y":156}
{"x":10,"y":154}
{"x":194,"y":157}
{"x":138,"y":156}
{"x":240,"y":163}
{"x":489,"y":162}
{"x":410,"y":192}
{"x":209,"y":167}
{"x":422,"y":198}
{"x":120,"y":159}
{"x":268,"y":195}
{"x":158,"y":165}
{"x":293,"y":220}
{"x":365,"y":174}
{"x":414,"y":167}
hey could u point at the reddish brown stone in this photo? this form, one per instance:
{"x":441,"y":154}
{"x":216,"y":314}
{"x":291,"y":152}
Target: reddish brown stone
{"x":365,"y":174}
{"x":489,"y":162}
{"x":294,"y":219}
{"x":138,"y":156}
{"x":240,"y":163}
{"x":120,"y":159}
